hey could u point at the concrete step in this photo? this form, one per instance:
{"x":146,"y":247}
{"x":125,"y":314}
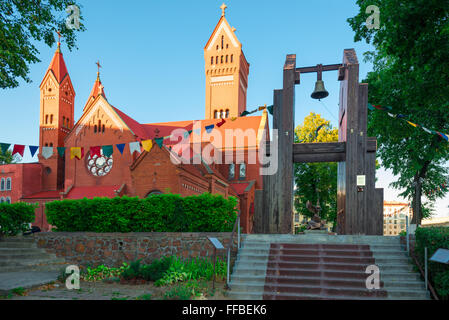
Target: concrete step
{"x":51,"y":266}
{"x":244,"y":295}
{"x":14,"y":256}
{"x":30,"y":262}
{"x":21,"y":250}
{"x":404,"y":294}
{"x":25,"y":279}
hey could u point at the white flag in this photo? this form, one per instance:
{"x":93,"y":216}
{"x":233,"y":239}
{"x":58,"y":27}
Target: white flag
{"x":134,"y":146}
{"x":47,"y":152}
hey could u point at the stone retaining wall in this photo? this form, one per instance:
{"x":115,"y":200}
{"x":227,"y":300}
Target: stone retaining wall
{"x":112,"y":249}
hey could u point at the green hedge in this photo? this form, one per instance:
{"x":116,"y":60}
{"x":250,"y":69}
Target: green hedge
{"x":434,"y":238}
{"x":15,"y":217}
{"x":157,"y":213}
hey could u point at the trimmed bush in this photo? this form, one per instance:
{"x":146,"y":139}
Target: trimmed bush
{"x":434,"y":238}
{"x":157,"y":213}
{"x":15,"y":217}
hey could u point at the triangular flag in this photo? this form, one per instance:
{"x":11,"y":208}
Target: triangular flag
{"x":120,"y":147}
{"x":18,"y":148}
{"x":412,"y":124}
{"x":244,"y":113}
{"x":197,"y":131}
{"x":262,"y":108}
{"x":47,"y":152}
{"x":4,"y":147}
{"x":391,"y":115}
{"x":61,"y":151}
{"x":209,"y":128}
{"x":426,"y":130}
{"x":147,"y":145}
{"x":134,"y":146}
{"x":233,"y":118}
{"x":95,"y":151}
{"x":76,"y":152}
{"x":159,"y":141}
{"x":370,"y":107}
{"x":442,"y":135}
{"x":221,"y":123}
{"x":33,"y":150}
{"x":270,"y":109}
{"x":187,"y":134}
{"x":107,"y":150}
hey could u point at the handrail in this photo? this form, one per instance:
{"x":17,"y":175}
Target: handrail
{"x":230,"y":245}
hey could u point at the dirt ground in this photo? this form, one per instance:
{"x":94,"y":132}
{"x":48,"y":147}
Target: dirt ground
{"x":101,"y":290}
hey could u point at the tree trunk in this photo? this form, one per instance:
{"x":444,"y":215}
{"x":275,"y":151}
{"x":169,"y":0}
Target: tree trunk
{"x":416,"y":204}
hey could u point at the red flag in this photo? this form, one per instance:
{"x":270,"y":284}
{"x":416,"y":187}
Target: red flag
{"x":18,"y":148}
{"x":95,"y":151}
{"x":221,"y":123}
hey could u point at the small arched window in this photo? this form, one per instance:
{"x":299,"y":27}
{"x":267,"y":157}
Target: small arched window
{"x":216,"y":60}
{"x":227,"y":113}
{"x":242,"y":171}
{"x":2,"y":184}
{"x":231,"y":171}
{"x":223,"y":114}
{"x":2,"y":200}
{"x":221,"y":59}
{"x":8,"y":184}
{"x":102,"y":129}
{"x":227,"y":45}
{"x":226,"y":58}
{"x":216,"y":114}
{"x":46,"y":144}
{"x":95,"y":128}
{"x":51,"y":144}
{"x":51,"y":119}
{"x":46,"y":119}
{"x":222,"y":42}
{"x":63,"y":121}
{"x":8,"y":200}
{"x":232,"y":58}
{"x":211,"y":60}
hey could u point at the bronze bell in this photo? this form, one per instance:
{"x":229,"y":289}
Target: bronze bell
{"x":320,"y":92}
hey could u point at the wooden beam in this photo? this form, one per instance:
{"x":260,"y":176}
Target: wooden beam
{"x":312,"y":148}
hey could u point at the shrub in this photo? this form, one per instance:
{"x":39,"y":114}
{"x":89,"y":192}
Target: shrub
{"x":158,"y":213}
{"x":434,"y":238}
{"x":15,"y":217}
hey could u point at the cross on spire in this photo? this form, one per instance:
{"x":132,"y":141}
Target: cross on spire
{"x":98,"y":69}
{"x":59,"y":39}
{"x":223,"y":9}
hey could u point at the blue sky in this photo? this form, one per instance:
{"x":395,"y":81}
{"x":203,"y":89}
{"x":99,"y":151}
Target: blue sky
{"x":153,"y":65}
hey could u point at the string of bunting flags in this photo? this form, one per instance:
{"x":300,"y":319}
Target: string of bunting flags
{"x":108,"y":150}
{"x":407,"y":119}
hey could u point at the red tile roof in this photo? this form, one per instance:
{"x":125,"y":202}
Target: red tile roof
{"x":44,"y":195}
{"x":242,"y":187}
{"x":58,"y":67}
{"x":92,"y":191}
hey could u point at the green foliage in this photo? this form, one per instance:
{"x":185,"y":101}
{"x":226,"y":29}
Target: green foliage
{"x":22,"y":24}
{"x":15,"y":217}
{"x":158,"y":213}
{"x":179,"y":292}
{"x":410,"y":63}
{"x":316,"y":180}
{"x":19,"y":291}
{"x":434,"y":238}
{"x":103,"y":272}
{"x":7,"y":157}
{"x":147,"y":296}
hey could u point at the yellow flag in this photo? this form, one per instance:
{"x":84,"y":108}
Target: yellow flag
{"x":75,"y":152}
{"x":411,"y":123}
{"x":233,"y":118}
{"x":147,"y":145}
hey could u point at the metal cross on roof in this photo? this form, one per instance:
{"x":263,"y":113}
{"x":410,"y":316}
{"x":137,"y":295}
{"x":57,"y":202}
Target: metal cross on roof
{"x":98,"y":65}
{"x":223,"y":8}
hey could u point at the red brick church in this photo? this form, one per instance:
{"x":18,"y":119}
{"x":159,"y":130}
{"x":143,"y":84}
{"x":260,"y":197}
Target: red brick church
{"x":123,"y":170}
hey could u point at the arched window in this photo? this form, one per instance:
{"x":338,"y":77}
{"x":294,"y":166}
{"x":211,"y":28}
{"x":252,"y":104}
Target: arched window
{"x":51,"y":119}
{"x":226,"y":58}
{"x":2,"y":184}
{"x":46,"y":119}
{"x":51,"y":144}
{"x":222,"y":42}
{"x":231,"y":171}
{"x":232,"y":58}
{"x":8,"y":184}
{"x":227,"y":113}
{"x":227,"y":45}
{"x":216,"y":114}
{"x":63,"y":121}
{"x":95,"y":128}
{"x":102,"y":129}
{"x":68,"y":122}
{"x":221,"y":59}
{"x":8,"y":200}
{"x":223,"y":114}
{"x":2,"y":200}
{"x":154,"y":192}
{"x":211,"y":60}
{"x":242,"y":171}
{"x":216,"y":60}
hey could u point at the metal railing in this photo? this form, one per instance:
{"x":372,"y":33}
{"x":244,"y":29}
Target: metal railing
{"x":230,"y":245}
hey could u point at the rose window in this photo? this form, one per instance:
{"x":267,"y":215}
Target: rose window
{"x":99,"y":166}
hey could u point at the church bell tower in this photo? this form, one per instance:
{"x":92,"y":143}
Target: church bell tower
{"x":226,"y":72}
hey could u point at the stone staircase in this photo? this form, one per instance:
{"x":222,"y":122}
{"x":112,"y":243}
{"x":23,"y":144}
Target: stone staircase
{"x":321,"y":266}
{"x":23,"y":264}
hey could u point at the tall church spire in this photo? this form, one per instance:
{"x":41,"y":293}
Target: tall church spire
{"x":226,"y":72}
{"x":97,"y":89}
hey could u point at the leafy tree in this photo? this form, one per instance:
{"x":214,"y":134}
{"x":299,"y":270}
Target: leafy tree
{"x":410,"y":75}
{"x":316,"y":181}
{"x":21,"y":24}
{"x":7,"y":157}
